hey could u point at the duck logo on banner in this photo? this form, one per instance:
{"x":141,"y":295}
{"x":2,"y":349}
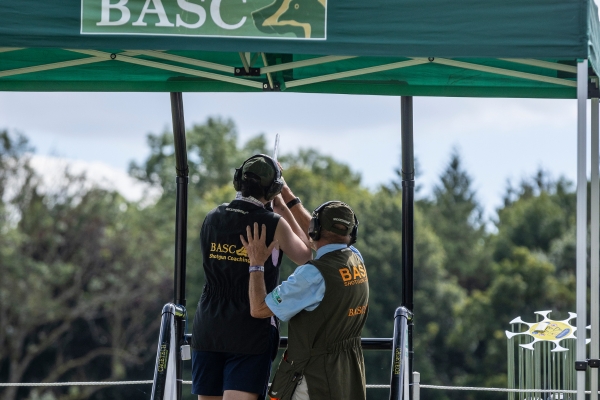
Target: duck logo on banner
{"x":303,"y":18}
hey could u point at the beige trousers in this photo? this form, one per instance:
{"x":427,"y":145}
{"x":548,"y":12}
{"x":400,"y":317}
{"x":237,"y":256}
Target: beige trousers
{"x":301,"y":392}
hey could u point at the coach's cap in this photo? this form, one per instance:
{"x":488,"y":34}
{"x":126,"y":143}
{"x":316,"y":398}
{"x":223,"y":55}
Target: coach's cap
{"x":337,"y":213}
{"x":261,"y":168}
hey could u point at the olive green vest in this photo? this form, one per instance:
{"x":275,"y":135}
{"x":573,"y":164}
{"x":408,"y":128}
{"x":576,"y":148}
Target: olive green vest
{"x":324,"y":344}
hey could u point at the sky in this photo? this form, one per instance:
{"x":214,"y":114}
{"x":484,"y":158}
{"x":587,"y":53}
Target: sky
{"x":498,"y":139}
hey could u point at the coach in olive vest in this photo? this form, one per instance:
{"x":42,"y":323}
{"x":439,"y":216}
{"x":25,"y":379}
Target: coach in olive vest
{"x":232,"y":351}
{"x":326,"y":303}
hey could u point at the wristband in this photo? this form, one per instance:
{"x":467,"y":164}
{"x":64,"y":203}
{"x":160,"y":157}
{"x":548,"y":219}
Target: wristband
{"x":293,"y":202}
{"x":256,"y":268}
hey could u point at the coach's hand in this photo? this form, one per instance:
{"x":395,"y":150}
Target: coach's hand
{"x":258,"y":252}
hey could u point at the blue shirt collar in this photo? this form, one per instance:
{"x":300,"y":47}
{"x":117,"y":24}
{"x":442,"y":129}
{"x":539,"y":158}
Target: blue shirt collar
{"x":328,"y":248}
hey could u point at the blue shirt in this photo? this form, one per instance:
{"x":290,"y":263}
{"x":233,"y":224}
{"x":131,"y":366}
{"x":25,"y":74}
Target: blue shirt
{"x":303,"y":290}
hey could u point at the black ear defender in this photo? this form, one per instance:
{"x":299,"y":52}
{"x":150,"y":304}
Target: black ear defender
{"x":354,"y":232}
{"x":314,"y":227}
{"x":270,"y":191}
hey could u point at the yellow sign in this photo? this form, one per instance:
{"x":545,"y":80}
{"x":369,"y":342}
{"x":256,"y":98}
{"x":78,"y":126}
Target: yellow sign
{"x":550,"y":330}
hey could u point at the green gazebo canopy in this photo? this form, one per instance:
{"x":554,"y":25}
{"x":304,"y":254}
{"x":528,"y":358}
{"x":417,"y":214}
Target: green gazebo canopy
{"x":477,"y":48}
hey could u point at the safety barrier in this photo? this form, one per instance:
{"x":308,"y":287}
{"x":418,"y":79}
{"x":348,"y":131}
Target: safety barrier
{"x":172,"y":351}
{"x":117,"y":383}
{"x":417,"y":386}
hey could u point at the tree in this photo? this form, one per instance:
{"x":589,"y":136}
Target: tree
{"x":213,"y":155}
{"x":532,"y":270}
{"x":435,"y":293}
{"x":77,"y":272}
{"x":534,"y":215}
{"x":457,"y":219}
{"x":317,"y":178}
{"x":523,"y":283}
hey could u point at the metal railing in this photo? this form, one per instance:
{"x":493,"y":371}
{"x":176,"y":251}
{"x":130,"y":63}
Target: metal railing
{"x":366,"y":343}
{"x":172,"y":346}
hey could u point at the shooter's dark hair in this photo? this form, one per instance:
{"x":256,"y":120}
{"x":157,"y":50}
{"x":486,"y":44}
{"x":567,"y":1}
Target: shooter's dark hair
{"x":251,"y":186}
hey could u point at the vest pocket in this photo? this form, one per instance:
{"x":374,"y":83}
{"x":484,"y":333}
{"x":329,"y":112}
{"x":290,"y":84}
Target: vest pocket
{"x":287,"y":378}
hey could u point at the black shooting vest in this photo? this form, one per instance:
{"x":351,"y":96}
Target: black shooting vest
{"x":223,"y":322}
{"x":324,"y":344}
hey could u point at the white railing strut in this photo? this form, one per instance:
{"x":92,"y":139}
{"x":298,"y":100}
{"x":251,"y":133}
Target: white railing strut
{"x":369,"y":386}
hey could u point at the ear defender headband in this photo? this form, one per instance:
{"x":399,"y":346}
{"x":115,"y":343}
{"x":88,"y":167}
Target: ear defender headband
{"x":314,"y":228}
{"x":274,"y":187}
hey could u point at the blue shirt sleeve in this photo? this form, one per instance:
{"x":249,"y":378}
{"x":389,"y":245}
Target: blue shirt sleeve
{"x":355,"y":251}
{"x":303,"y":290}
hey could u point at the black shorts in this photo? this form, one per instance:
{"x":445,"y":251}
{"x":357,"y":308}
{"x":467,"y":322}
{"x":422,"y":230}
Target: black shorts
{"x":214,"y":372}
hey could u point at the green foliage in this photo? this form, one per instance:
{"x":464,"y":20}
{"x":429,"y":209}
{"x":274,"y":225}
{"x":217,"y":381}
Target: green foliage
{"x":456,"y":218}
{"x":533,"y":253}
{"x":532,"y":223}
{"x":212,"y":156}
{"x":78,"y":279}
{"x":522,"y":283}
{"x":316,"y":178}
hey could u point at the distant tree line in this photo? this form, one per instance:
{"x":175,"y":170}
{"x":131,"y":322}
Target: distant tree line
{"x":84,"y":272}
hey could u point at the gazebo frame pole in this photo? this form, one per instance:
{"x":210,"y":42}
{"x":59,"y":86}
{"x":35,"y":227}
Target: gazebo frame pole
{"x":181,"y":167}
{"x":408,"y":192}
{"x":595,"y":249}
{"x":408,"y":204}
{"x":402,"y":344}
{"x":581,"y":227}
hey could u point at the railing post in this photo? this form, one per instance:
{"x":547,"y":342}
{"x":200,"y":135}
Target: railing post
{"x":165,"y":385}
{"x":401,"y":374}
{"x":416,"y":386}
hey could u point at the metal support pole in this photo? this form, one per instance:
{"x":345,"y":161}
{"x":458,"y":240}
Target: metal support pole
{"x":401,"y":378}
{"x":595,"y":250}
{"x":181,"y":167}
{"x":581,"y":228}
{"x":408,"y":190}
{"x":408,"y":204}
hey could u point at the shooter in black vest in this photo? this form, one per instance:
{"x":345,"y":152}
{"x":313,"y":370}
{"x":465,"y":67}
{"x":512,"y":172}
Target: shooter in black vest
{"x":232,"y":352}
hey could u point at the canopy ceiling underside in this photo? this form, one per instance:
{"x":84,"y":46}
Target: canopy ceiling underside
{"x":524,"y":48}
{"x":147,"y":70}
